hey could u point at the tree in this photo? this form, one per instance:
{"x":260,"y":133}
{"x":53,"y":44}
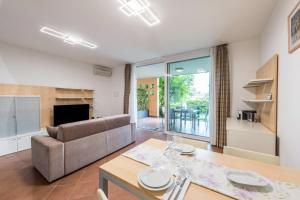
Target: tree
{"x":180,"y":88}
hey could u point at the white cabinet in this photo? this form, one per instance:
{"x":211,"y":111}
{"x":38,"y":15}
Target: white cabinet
{"x":24,"y":141}
{"x":19,"y":120}
{"x":8,"y":145}
{"x":16,"y":143}
{"x":250,"y":136}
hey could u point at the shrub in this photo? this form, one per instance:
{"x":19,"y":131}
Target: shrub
{"x":201,"y":104}
{"x":142,"y":99}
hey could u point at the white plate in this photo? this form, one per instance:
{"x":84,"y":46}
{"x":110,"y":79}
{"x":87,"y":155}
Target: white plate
{"x":246,"y":178}
{"x":185,"y":148}
{"x":156,"y":189}
{"x":155,"y":178}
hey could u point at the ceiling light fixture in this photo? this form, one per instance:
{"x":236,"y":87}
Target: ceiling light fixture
{"x":68,"y":38}
{"x":179,"y":69}
{"x":139,"y":8}
{"x":201,"y":70}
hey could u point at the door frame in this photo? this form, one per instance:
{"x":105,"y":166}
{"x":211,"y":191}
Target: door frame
{"x":167,"y":97}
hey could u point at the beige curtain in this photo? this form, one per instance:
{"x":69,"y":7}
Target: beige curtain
{"x":127,"y":88}
{"x":222,"y":87}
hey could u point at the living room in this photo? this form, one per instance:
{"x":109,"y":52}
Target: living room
{"x":217,"y":82}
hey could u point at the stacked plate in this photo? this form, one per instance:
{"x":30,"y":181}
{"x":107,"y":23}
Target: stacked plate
{"x":185,"y":149}
{"x":247,"y":178}
{"x":155,"y":179}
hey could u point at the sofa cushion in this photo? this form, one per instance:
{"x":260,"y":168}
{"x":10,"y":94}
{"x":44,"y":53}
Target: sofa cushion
{"x":52,"y":131}
{"x":117,"y":121}
{"x":73,"y":131}
{"x":84,"y":151}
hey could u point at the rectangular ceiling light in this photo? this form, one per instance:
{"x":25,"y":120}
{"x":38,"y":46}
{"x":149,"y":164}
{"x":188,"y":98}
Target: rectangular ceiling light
{"x":149,"y":17}
{"x":68,"y":38}
{"x":139,"y":8}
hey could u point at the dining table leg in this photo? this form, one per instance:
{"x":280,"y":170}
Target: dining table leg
{"x":103,"y":183}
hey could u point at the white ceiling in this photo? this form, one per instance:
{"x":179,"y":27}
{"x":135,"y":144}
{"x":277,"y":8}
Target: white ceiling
{"x":185,"y":25}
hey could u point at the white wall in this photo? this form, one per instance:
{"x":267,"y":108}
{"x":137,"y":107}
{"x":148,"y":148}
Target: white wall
{"x":244,"y":61}
{"x":150,"y":71}
{"x":274,"y":40}
{"x":24,"y":66}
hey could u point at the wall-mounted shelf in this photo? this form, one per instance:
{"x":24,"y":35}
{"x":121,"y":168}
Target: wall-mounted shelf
{"x":68,"y":98}
{"x":74,"y":89}
{"x":258,"y":82}
{"x":258,"y":101}
{"x":74,"y":98}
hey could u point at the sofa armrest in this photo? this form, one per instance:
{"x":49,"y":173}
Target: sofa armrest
{"x":48,"y":157}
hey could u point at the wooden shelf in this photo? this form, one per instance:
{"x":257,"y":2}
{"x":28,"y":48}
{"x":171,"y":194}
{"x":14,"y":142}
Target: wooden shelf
{"x":69,"y":97}
{"x":258,"y":101}
{"x":74,"y":89}
{"x":63,"y":98}
{"x":258,"y":82}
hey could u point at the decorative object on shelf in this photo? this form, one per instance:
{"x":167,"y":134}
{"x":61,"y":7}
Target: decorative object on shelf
{"x":269,"y":96}
{"x":239,"y":117}
{"x":294,"y":28}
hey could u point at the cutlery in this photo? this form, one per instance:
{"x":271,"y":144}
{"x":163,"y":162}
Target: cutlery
{"x":167,"y":147}
{"x":174,"y":188}
{"x":180,"y":188}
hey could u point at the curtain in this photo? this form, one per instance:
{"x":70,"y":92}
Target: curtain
{"x":127,"y":88}
{"x":212,"y":101}
{"x":222,"y":87}
{"x":132,"y":97}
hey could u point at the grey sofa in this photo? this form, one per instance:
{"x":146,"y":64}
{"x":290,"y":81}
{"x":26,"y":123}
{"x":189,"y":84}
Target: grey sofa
{"x":79,"y":144}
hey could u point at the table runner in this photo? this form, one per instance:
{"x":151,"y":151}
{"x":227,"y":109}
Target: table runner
{"x":212,"y":175}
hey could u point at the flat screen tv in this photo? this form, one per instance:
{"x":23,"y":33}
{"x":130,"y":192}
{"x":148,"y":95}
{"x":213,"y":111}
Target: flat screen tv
{"x":70,"y":113}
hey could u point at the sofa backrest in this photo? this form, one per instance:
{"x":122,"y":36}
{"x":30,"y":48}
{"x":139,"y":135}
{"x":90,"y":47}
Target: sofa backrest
{"x":76,"y":130}
{"x":117,"y":121}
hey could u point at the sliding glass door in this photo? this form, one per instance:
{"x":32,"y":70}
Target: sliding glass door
{"x":188,"y":97}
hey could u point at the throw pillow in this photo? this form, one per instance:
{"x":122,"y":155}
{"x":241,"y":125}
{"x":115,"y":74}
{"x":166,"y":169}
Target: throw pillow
{"x":52,"y":131}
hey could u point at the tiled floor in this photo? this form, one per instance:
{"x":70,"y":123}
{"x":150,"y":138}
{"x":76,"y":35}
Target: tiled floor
{"x":156,"y":124}
{"x":20,"y":181}
{"x":200,"y":128}
{"x":151,"y":123}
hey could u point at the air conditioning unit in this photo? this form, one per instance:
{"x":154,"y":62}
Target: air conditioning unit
{"x":102,"y":71}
